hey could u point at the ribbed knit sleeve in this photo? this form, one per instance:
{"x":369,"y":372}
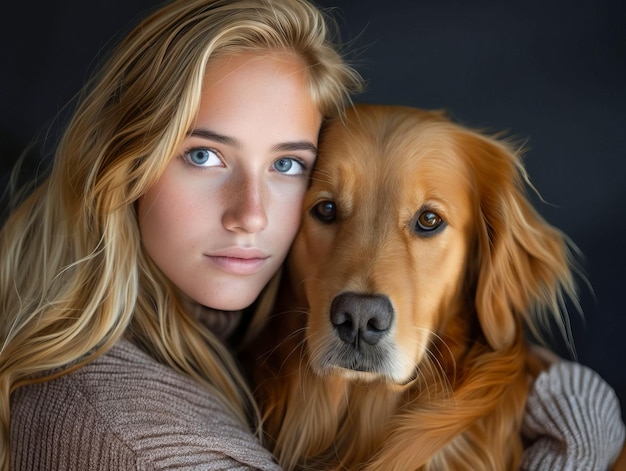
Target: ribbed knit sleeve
{"x":125,"y":411}
{"x":40,"y":432}
{"x":572,"y":420}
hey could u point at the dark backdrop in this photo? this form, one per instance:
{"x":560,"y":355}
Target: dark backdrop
{"x":549,"y":73}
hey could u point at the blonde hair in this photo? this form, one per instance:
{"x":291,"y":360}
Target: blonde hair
{"x":73,"y":275}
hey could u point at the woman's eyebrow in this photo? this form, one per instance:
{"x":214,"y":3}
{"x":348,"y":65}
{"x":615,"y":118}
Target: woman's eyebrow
{"x":213,"y":136}
{"x":231,"y":141}
{"x":296,"y":145}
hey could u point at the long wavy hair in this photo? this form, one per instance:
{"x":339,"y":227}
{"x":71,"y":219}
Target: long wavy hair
{"x":74,"y":277}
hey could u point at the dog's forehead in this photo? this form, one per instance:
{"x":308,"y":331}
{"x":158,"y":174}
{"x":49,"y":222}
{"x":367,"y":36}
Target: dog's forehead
{"x":389,"y":146}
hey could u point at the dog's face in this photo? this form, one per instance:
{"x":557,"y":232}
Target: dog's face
{"x":410,"y":223}
{"x":384,"y":243}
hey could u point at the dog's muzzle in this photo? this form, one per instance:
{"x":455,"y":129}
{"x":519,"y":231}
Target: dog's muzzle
{"x":360,"y":321}
{"x":361,"y":343}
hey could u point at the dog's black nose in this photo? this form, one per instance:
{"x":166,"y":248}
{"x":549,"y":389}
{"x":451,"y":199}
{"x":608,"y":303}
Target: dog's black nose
{"x":359,"y":317}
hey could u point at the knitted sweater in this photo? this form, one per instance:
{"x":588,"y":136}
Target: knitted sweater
{"x":126,"y":411}
{"x":572,"y":421}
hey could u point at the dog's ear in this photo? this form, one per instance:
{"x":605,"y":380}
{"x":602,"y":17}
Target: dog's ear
{"x":523,"y":265}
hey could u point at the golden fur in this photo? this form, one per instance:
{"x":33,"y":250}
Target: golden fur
{"x":397,"y":341}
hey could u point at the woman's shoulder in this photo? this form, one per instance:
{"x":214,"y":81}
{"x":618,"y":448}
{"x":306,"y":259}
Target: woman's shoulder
{"x":127,"y":406}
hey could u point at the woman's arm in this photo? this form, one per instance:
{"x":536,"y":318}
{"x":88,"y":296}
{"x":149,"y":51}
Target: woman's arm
{"x":572,"y":421}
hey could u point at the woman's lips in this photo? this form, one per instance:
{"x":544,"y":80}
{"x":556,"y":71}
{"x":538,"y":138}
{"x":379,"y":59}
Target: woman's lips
{"x":239,"y":261}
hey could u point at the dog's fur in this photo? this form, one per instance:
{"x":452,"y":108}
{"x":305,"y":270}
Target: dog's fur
{"x":397,"y":342}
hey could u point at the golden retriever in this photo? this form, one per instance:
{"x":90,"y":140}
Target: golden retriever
{"x":398,"y":337}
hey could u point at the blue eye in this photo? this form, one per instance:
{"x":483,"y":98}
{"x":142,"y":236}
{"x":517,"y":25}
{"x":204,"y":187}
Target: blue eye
{"x":202,"y":157}
{"x":289,"y":166}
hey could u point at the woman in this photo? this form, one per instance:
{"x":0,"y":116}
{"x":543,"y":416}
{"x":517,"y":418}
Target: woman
{"x":175,"y":187}
{"x":204,"y":121}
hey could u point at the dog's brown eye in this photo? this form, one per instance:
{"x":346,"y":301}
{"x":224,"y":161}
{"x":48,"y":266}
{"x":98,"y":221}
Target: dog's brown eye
{"x":325,"y":211}
{"x":427,"y":222}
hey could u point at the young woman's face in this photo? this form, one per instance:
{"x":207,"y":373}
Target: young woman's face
{"x":221,"y":218}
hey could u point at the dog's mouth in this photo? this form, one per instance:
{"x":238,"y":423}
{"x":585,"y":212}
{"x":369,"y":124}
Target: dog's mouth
{"x":353,"y":366}
{"x":357,"y":359}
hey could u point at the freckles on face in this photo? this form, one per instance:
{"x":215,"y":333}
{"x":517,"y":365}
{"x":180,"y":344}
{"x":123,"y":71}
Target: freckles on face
{"x":220,"y":219}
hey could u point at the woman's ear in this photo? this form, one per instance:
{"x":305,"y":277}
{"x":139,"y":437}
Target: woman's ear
{"x":524,"y":264}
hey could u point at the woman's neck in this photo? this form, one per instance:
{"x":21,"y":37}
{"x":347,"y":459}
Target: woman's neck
{"x":221,"y":323}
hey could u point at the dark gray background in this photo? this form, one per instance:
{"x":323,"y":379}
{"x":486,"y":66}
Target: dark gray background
{"x":549,"y":73}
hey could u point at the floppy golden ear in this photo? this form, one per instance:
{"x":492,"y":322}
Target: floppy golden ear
{"x":524,"y":264}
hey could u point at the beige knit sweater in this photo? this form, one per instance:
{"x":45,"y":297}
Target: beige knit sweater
{"x":126,"y":411}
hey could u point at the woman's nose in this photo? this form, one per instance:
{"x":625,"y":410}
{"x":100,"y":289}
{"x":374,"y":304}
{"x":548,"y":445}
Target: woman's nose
{"x":244,"y":205}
